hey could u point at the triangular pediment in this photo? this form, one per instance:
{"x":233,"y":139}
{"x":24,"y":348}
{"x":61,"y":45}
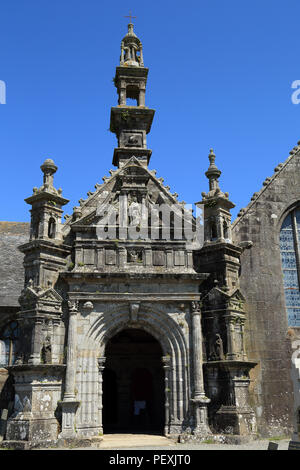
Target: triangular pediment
{"x":33,"y":295}
{"x":50,"y":295}
{"x":233,"y":299}
{"x":134,"y":179}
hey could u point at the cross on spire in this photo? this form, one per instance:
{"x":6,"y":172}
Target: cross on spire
{"x":130,"y":16}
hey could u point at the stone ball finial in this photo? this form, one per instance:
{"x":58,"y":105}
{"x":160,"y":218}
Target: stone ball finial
{"x":49,"y":166}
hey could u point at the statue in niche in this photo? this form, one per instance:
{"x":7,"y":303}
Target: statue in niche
{"x":216,"y":349}
{"x":219,"y":350}
{"x":46,"y":353}
{"x":26,"y":405}
{"x":135,"y":215}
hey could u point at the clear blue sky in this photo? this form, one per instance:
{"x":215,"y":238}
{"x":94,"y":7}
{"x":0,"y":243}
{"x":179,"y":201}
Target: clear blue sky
{"x":220,"y":76}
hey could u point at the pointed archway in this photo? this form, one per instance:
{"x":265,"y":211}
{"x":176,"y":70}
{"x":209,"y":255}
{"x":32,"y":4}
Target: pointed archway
{"x":133,"y":384}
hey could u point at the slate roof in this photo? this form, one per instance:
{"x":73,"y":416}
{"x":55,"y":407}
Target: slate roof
{"x":12,"y":234}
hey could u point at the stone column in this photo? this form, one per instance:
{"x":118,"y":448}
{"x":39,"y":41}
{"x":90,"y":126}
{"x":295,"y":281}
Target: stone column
{"x":148,"y":257}
{"x":199,"y":399}
{"x":189,"y":258}
{"x":69,"y":404}
{"x":169,"y":254}
{"x":122,"y":54}
{"x":122,"y":96}
{"x":101,"y":362}
{"x":141,"y":56}
{"x":230,"y":338}
{"x":122,"y":257}
{"x":142,"y":92}
{"x":35,"y":356}
{"x":166,"y":366}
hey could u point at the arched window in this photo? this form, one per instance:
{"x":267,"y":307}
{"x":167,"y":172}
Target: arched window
{"x":8,"y":344}
{"x":290,"y":256}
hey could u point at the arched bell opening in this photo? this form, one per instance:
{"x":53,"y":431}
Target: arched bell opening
{"x":133,"y":384}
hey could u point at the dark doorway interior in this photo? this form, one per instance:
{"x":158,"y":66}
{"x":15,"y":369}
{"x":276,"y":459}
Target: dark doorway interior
{"x":133,"y":384}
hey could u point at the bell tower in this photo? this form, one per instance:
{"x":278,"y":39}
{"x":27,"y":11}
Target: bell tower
{"x":131,"y":122}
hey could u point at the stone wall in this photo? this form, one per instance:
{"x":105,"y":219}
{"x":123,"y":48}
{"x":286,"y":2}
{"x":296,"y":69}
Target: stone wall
{"x":268,"y":338}
{"x":12,"y":234}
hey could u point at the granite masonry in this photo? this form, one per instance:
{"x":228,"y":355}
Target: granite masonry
{"x":114,"y":323}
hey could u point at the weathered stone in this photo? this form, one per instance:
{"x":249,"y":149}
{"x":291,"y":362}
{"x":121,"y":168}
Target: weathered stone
{"x":125,"y":328}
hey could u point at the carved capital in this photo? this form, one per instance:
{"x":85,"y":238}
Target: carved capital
{"x":166,"y":360}
{"x":196,"y":307}
{"x":101,"y":363}
{"x":73,"y":307}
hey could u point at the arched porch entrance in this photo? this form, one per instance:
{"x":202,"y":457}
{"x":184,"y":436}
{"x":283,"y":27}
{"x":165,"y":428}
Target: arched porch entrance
{"x":133,"y":384}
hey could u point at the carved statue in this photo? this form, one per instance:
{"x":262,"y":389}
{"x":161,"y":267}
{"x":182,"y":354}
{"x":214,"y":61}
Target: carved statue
{"x":219,"y":351}
{"x":135,"y":212}
{"x":216,"y":349}
{"x":46,"y":353}
{"x":26,"y":405}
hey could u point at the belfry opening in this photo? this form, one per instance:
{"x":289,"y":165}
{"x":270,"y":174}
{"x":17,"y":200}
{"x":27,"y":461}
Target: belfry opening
{"x":133,"y":384}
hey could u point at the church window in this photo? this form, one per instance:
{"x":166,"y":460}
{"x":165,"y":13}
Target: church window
{"x":8,"y":344}
{"x":290,"y":257}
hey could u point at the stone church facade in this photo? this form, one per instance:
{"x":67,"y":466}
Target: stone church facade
{"x":127,"y":319}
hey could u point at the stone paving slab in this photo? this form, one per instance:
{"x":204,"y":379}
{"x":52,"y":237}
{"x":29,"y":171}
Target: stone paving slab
{"x":152,"y":442}
{"x":111,"y":441}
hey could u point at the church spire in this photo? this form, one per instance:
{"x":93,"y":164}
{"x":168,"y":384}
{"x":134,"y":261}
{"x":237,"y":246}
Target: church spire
{"x":131,"y":49}
{"x":217,"y":206}
{"x":131,"y":120}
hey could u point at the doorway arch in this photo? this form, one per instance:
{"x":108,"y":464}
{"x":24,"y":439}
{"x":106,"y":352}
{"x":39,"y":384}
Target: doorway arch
{"x":134,"y":400}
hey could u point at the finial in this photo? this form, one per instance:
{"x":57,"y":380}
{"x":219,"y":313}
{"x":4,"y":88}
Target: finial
{"x":48,"y":168}
{"x":130,"y":18}
{"x":211,"y":156}
{"x":131,"y":48}
{"x":213,"y":173}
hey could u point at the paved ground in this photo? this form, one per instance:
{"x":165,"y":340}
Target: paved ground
{"x":152,"y":442}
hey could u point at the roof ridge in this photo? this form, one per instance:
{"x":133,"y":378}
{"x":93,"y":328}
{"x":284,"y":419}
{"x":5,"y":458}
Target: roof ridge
{"x":267,"y":182}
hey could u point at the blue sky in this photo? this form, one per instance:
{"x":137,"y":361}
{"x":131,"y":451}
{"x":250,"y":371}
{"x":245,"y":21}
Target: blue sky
{"x":220,"y":76}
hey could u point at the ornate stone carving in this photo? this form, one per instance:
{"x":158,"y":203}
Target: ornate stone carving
{"x":73,"y":306}
{"x":46,"y":352}
{"x":134,"y":310}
